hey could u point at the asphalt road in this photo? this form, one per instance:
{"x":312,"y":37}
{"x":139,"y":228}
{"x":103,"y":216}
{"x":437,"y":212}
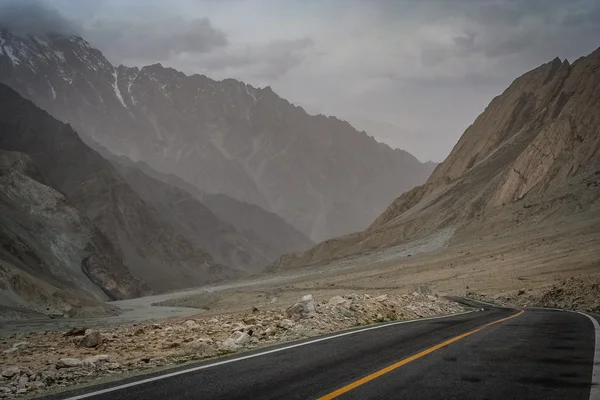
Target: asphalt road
{"x":490,"y":354}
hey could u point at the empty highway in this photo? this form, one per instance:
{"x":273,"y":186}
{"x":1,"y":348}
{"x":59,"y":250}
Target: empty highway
{"x":493,"y":353}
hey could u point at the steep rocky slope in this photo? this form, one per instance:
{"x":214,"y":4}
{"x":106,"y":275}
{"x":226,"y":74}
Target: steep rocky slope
{"x":53,"y":261}
{"x":317,"y":172}
{"x":538,"y":143}
{"x":232,"y":230}
{"x":152,"y":249}
{"x":199,"y":224}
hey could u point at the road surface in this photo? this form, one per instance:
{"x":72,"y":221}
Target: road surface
{"x":492,"y":353}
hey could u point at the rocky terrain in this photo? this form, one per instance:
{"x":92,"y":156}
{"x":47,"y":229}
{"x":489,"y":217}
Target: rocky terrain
{"x":151,"y":248}
{"x":536,"y":146}
{"x":53,"y":261}
{"x":50,"y":361}
{"x":568,"y":294}
{"x":317,"y":172}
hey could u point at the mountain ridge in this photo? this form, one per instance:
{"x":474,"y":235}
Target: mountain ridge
{"x":318,"y":173}
{"x":154,"y":252}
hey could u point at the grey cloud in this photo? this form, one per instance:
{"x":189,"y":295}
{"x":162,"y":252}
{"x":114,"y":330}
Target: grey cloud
{"x":31,"y":17}
{"x":466,"y":41}
{"x":151,"y":41}
{"x":506,"y":31}
{"x":264,"y":61}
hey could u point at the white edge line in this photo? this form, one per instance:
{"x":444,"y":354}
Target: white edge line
{"x":595,"y":384}
{"x":201,"y":367}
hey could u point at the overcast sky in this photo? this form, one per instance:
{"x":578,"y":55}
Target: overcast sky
{"x":414,"y":74}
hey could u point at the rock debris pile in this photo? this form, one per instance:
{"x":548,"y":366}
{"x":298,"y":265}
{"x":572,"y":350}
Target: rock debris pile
{"x":37,"y":362}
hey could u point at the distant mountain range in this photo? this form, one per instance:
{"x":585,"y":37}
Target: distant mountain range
{"x":223,"y":137}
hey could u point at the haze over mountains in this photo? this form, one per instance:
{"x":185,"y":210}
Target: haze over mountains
{"x":532,"y":157}
{"x":190,"y":181}
{"x":196,"y":180}
{"x":316,"y":172}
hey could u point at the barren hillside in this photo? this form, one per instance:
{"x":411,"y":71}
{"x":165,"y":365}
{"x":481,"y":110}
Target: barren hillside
{"x":537,"y":144}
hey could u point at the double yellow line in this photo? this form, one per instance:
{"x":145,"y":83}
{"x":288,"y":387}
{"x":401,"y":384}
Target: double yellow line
{"x":405,"y":361}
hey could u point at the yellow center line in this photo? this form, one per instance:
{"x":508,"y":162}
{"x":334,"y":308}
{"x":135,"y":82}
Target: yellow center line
{"x":405,"y":361}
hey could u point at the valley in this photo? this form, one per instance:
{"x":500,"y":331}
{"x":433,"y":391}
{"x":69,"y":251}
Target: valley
{"x":152,"y":220}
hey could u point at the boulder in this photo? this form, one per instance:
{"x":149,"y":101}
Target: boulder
{"x":199,"y":348}
{"x":235,"y":341}
{"x":240,"y":338}
{"x":304,"y":308}
{"x":339,"y":302}
{"x":228,"y":345}
{"x":69,"y":362}
{"x":11,"y":371}
{"x":286,"y":324}
{"x":92,"y":338}
{"x":191,"y":324}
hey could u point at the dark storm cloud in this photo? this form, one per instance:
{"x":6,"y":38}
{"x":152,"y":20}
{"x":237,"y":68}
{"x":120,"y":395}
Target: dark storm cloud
{"x":31,"y":17}
{"x":265,"y":61}
{"x":152,"y":40}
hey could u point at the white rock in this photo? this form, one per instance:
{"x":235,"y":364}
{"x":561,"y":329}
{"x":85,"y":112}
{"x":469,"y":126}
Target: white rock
{"x":69,"y":362}
{"x":228,"y":345}
{"x":305,"y":307}
{"x":339,"y":302}
{"x":240,"y":338}
{"x":270,"y":331}
{"x":191,"y":324}
{"x":382,"y":298}
{"x":286,"y":324}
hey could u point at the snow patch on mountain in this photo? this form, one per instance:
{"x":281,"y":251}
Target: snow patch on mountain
{"x":8,"y":50}
{"x":116,"y":87}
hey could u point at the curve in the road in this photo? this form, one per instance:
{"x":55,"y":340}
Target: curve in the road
{"x":407,"y":360}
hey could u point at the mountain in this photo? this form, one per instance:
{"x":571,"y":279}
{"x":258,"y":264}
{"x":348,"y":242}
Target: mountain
{"x":53,"y":261}
{"x":152,"y":249}
{"x":258,"y":225}
{"x":318,"y":173}
{"x":239,"y":235}
{"x":532,"y":156}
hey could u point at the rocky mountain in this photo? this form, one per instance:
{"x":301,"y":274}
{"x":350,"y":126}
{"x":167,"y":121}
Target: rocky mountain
{"x":53,"y":261}
{"x":533,"y":155}
{"x":264,"y":227}
{"x":253,"y":239}
{"x":153,"y":250}
{"x":317,"y":172}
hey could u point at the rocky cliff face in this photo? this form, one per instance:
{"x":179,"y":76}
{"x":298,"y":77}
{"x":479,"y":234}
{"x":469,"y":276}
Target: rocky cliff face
{"x":317,"y":172}
{"x":152,"y":249}
{"x":47,"y":247}
{"x":538,"y":142}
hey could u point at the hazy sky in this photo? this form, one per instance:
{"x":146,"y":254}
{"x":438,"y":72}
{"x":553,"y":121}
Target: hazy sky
{"x":415,"y":74}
